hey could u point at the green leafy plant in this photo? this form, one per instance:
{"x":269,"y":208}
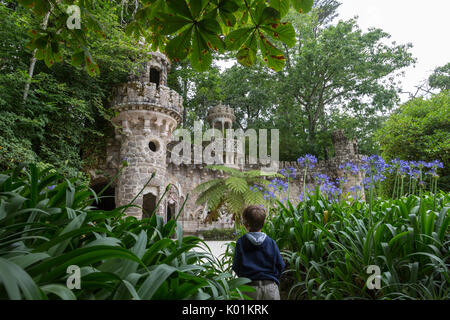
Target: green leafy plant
{"x":195,"y":29}
{"x":328,"y":247}
{"x":232,"y":191}
{"x":48,"y":223}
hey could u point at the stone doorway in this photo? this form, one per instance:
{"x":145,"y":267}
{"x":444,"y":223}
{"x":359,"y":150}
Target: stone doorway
{"x":171,"y":211}
{"x":148,"y":205}
{"x":107,"y":200}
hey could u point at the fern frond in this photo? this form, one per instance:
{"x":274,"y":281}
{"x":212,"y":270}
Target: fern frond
{"x":235,"y":202}
{"x":253,"y":197}
{"x":206,"y":185}
{"x":237,"y":184}
{"x":211,"y":192}
{"x":215,"y":198}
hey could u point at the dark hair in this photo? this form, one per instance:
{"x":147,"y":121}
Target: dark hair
{"x":254,"y":216}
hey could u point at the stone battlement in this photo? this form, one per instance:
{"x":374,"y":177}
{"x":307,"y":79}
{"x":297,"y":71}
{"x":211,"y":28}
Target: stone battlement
{"x":138,"y":95}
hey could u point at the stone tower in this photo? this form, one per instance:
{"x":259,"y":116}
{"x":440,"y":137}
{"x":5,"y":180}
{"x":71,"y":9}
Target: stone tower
{"x":147,"y":114}
{"x":221,"y":117}
{"x":347,"y":151}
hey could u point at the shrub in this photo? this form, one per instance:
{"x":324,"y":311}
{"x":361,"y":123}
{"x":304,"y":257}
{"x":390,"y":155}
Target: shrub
{"x":419,"y":129}
{"x":48,"y":223}
{"x":219,"y":234}
{"x":328,"y":247}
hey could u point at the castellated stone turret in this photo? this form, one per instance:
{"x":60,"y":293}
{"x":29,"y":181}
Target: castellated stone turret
{"x":148,"y":113}
{"x":221,"y":117}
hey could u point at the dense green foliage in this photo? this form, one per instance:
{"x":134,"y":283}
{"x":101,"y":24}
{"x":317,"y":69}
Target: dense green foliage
{"x":219,"y":234}
{"x":193,"y":29}
{"x":48,"y":223}
{"x":336,"y":77}
{"x":440,"y":79}
{"x":328,"y":247}
{"x":64,"y":120}
{"x":419,"y":129}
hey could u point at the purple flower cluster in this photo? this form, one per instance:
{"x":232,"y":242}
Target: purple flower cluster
{"x":307,"y":161}
{"x":349,"y":168}
{"x":401,"y":167}
{"x":256,"y":187}
{"x":327,"y":187}
{"x":340,"y":181}
{"x":288,"y":173}
{"x":278,"y":185}
{"x":355,"y":188}
{"x":321,"y":178}
{"x":304,"y":195}
{"x":374,"y":168}
{"x":413,"y":168}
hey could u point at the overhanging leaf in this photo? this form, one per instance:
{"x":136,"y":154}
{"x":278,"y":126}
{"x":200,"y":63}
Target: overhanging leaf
{"x":303,"y":6}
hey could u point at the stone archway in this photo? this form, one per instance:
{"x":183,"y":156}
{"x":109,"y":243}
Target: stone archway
{"x":173,"y":203}
{"x":148,"y":205}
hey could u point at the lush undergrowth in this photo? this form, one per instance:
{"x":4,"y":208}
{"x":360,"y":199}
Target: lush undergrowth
{"x":329,"y":247}
{"x":48,"y":223}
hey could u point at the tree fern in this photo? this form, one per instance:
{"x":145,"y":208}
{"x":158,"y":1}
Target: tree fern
{"x":237,"y":184}
{"x":232,"y":192}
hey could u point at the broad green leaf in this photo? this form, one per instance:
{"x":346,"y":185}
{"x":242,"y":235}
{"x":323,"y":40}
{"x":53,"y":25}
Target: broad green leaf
{"x":170,"y":23}
{"x":303,"y":6}
{"x":282,"y":32}
{"x":197,"y":6}
{"x":226,"y":11}
{"x":180,"y":7}
{"x":24,"y":261}
{"x":154,"y":280}
{"x":72,"y":226}
{"x":264,"y":15}
{"x":16,"y":282}
{"x":237,"y":37}
{"x":272,"y":55}
{"x":210,"y":25}
{"x":131,"y":289}
{"x":61,"y":291}
{"x":200,"y":57}
{"x":178,"y":47}
{"x":282,"y":6}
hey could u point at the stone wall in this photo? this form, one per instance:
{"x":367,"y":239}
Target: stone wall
{"x":147,"y":114}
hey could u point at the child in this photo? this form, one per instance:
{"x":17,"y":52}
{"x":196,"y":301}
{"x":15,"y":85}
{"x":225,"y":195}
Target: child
{"x":257,"y":257}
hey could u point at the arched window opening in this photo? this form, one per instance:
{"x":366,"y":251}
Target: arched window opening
{"x":155,"y":76}
{"x":171,"y":211}
{"x":148,"y":205}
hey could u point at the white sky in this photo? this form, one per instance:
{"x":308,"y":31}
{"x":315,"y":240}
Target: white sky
{"x":425,"y":24}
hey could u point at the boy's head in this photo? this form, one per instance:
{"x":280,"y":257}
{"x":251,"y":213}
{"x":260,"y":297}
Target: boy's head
{"x":254,"y":217}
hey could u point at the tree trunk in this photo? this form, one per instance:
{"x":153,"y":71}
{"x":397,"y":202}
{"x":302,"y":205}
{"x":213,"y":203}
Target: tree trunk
{"x":33,"y":60}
